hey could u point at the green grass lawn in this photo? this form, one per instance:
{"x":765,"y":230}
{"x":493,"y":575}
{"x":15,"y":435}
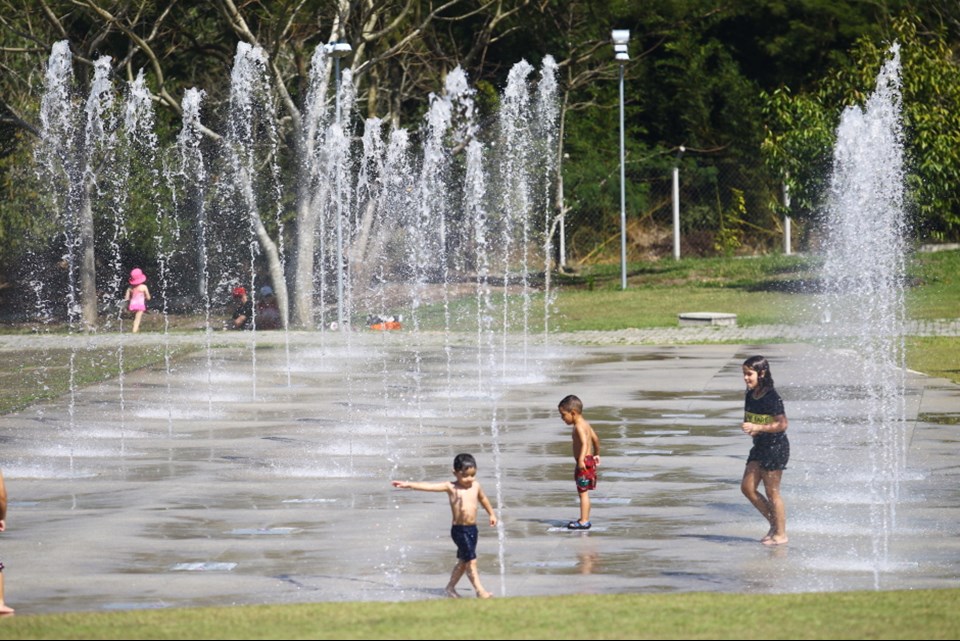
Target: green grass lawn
{"x":934,"y":290}
{"x":760,"y":290}
{"x":912,"y":614}
{"x":935,"y":356}
{"x":659,"y":305}
{"x":36,"y":375}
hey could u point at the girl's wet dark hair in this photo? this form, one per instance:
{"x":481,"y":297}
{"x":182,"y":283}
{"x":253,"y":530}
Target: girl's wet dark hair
{"x":760,"y":365}
{"x":464,"y":462}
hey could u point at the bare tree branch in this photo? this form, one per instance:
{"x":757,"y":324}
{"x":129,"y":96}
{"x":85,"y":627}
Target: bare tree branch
{"x":53,"y":19}
{"x":484,"y":37}
{"x":237,"y":22}
{"x":145,"y":48}
{"x":413,"y":34}
{"x":16,"y":119}
{"x":370,"y":36}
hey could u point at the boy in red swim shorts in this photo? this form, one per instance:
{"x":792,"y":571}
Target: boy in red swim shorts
{"x":586,"y":452}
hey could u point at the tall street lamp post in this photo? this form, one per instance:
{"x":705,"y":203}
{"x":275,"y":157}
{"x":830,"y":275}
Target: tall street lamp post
{"x":620,"y":39}
{"x":676,"y":203}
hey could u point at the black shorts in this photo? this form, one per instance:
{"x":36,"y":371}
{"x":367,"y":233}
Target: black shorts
{"x":465,"y":536}
{"x":771,"y":456}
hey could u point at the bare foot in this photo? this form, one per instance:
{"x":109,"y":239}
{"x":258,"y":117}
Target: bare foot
{"x":5,"y":610}
{"x":484,"y":595}
{"x":775,"y":540}
{"x":451,"y":592}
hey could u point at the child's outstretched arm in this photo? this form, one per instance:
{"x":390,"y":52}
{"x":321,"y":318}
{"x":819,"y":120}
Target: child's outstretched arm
{"x":443,"y":486}
{"x":485,"y":502}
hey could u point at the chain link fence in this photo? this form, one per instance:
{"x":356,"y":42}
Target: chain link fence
{"x":727,"y":206}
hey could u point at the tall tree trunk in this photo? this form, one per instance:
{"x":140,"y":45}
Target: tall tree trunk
{"x":362,"y":259}
{"x":88,"y":264}
{"x":274,"y":266}
{"x":311,"y":193}
{"x":303,"y":258}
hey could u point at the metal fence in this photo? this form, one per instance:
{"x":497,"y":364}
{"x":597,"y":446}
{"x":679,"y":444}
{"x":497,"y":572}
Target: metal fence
{"x":725,"y":207}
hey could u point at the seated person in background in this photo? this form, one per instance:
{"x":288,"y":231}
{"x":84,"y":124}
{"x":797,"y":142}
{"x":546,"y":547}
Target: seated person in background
{"x":268,"y":312}
{"x":243,"y":314}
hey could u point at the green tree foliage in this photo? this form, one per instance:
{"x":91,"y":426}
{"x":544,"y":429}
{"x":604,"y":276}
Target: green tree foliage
{"x":801,"y":126}
{"x":696,"y":72}
{"x":931,"y":113}
{"x":735,"y":83}
{"x":792,"y":42}
{"x":798,"y":146}
{"x":22,"y":216}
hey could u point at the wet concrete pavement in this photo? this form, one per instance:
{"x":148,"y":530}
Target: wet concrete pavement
{"x":259,"y":472}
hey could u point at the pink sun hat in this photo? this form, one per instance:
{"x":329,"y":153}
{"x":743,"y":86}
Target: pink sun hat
{"x":137,"y":276}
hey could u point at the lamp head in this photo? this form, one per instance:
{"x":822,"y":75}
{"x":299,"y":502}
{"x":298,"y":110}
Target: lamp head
{"x":338,"y":49}
{"x":620,"y":39}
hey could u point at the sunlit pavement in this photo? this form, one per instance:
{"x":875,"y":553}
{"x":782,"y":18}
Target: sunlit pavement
{"x":257,"y":470}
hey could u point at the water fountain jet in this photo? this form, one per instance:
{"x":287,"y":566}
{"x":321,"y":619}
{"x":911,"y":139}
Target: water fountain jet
{"x":863,"y":282}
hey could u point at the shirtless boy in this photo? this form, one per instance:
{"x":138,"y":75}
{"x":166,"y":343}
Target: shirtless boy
{"x":465,"y":495}
{"x":586,"y":452}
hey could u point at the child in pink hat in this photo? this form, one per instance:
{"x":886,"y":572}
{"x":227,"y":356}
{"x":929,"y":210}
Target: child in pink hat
{"x":138,"y":295}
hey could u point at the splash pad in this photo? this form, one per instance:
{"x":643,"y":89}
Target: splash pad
{"x":285,"y":497}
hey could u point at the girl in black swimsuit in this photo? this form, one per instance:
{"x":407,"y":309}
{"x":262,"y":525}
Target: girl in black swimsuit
{"x":766,"y":421}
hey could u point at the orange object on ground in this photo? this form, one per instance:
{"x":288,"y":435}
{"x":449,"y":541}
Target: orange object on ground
{"x":385,"y":325}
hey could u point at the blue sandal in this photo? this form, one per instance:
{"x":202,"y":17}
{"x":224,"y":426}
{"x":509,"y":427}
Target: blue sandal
{"x":577,"y":525}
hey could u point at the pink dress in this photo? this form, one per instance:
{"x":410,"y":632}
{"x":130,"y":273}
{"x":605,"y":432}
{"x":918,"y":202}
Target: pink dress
{"x":137,"y":300}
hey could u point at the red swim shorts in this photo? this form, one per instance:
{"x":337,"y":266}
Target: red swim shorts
{"x":586,"y":478}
